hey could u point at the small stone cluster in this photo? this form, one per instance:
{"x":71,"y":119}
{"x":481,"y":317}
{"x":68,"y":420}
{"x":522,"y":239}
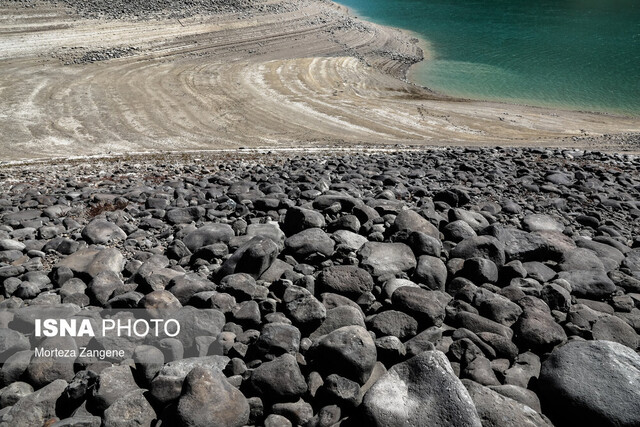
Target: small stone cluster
{"x":117,"y":9}
{"x":493,"y":287}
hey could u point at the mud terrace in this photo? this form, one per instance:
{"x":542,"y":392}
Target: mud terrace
{"x":99,"y":77}
{"x":467,"y":287}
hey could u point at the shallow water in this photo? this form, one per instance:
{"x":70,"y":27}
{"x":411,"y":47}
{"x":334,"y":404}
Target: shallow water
{"x":577,"y":54}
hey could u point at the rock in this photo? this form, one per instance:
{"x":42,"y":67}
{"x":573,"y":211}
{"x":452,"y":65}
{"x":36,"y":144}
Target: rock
{"x":612,"y":328}
{"x":536,"y":329}
{"x":241,"y":286}
{"x":411,"y":221}
{"x":209,"y":400}
{"x":300,"y":412}
{"x":591,"y":383}
{"x":581,"y":259}
{"x":344,"y":315}
{"x":208,"y":235}
{"x":254,"y":258}
{"x":347,"y":280}
{"x":100,"y":231}
{"x":309,"y":242}
{"x":43,"y":370}
{"x":431,"y":272}
{"x":37,"y":408}
{"x":91,"y":262}
{"x":279,"y":380}
{"x":348,"y":351}
{"x":497,"y":410}
{"x":454,"y":197}
{"x":386,"y":259}
{"x":519,"y":394}
{"x":457,"y":231}
{"x":298,"y":219}
{"x":476,"y":220}
{"x":185,"y":215}
{"x":538,"y":222}
{"x":396,"y":323}
{"x":421,"y":391}
{"x":349,"y":239}
{"x":167,"y":384}
{"x":274,"y":420}
{"x":112,"y":384}
{"x":342,"y":391}
{"x":589,"y":284}
{"x":303,"y":308}
{"x":130,"y":410}
{"x":427,"y":307}
{"x":480,"y":270}
{"x":278,"y":338}
{"x":11,"y":394}
{"x":496,"y":307}
{"x":12,"y":342}
{"x":159,"y":304}
{"x":185,"y":286}
{"x":104,"y":285}
{"x":518,"y":244}
{"x":480,"y":247}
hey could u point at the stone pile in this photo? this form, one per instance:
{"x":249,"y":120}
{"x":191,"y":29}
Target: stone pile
{"x":493,"y":287}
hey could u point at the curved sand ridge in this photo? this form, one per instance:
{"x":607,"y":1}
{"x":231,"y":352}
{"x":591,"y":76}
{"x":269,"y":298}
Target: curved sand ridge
{"x":308,"y":75}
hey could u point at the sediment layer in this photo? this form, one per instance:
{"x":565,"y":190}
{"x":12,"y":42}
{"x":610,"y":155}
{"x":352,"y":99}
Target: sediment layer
{"x":274,"y":74}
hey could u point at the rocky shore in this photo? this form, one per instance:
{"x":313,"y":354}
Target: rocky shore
{"x":462,"y":286}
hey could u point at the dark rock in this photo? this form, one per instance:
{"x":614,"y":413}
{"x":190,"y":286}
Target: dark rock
{"x":427,"y":307}
{"x":591,"y":383}
{"x":348,"y":351}
{"x":279,"y":380}
{"x":480,"y":247}
{"x":347,"y":280}
{"x":431,"y":272}
{"x":208,"y":235}
{"x":303,"y":308}
{"x":396,"y":323}
{"x":298,"y":219}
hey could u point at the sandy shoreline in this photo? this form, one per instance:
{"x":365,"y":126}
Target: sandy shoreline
{"x":296,"y":74}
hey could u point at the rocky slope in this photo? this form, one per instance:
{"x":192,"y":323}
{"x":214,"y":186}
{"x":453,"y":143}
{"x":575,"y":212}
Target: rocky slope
{"x":492,"y":287}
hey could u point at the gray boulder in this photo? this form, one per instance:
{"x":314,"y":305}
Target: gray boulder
{"x":422,"y":391}
{"x":591,"y":383}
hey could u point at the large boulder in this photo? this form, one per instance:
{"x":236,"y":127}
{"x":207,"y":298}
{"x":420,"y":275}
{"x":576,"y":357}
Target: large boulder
{"x":591,"y":383}
{"x":422,"y":391}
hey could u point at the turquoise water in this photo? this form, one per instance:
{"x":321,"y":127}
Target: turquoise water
{"x":576,"y":54}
